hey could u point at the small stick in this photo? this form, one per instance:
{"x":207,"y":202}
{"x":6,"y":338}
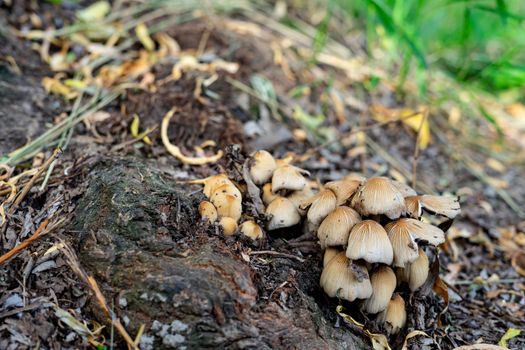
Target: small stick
{"x":24,"y":244}
{"x":416,"y":150}
{"x":271,"y":252}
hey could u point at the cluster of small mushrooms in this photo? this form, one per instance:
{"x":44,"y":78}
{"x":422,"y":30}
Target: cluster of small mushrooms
{"x":372,"y":230}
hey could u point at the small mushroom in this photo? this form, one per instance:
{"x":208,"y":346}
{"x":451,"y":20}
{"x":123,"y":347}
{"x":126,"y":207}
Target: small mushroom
{"x":321,"y":204}
{"x":441,"y":205}
{"x":413,"y":205}
{"x":227,"y":188}
{"x":335,"y":228}
{"x":416,"y":273}
{"x":343,"y":189}
{"x":329,"y":253}
{"x":268,"y":195}
{"x":378,"y":196}
{"x":369,"y":241}
{"x":288,"y":177}
{"x":208,"y":211}
{"x":227,"y":205}
{"x":262,"y":167}
{"x":403,"y":242}
{"x":297,"y":197}
{"x":212,"y":182}
{"x":251,"y":229}
{"x":383,"y":282}
{"x":405,"y":190}
{"x":338,"y":280}
{"x":283,"y":213}
{"x":395,"y":315}
{"x":420,"y":230}
{"x":229,"y":225}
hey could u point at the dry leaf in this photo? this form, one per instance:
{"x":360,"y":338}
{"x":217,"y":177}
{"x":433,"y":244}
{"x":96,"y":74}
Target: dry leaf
{"x":142,"y":33}
{"x":479,"y":347}
{"x":379,"y":341}
{"x":411,"y":335}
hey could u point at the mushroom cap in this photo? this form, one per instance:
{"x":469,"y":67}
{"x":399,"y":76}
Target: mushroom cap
{"x":335,"y":228}
{"x":413,"y":205}
{"x":329,"y":253}
{"x":288,"y":177}
{"x":343,"y":189}
{"x":251,"y":229}
{"x":421,"y":230}
{"x":378,"y":196}
{"x":321,"y":204}
{"x":354,"y":177}
{"x":262,"y":167}
{"x":210,"y":183}
{"x":208,"y":211}
{"x":283,"y":213}
{"x":416,"y":273}
{"x":297,"y":197}
{"x":395,"y":315}
{"x":229,"y":225}
{"x":403,"y":242}
{"x":268,"y":196}
{"x":405,"y":190}
{"x":369,"y":241}
{"x":384,"y":283}
{"x":227,"y":205}
{"x":442,"y":205}
{"x":338,"y":280}
{"x":228,"y":188}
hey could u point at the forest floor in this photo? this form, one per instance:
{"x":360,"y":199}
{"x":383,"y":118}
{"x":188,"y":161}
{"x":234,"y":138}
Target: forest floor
{"x":243,"y":79}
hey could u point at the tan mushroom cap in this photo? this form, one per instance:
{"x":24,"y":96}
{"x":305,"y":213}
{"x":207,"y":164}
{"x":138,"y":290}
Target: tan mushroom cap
{"x":210,"y":183}
{"x":338,"y":280}
{"x":369,"y":241}
{"x":227,"y":205}
{"x":262,"y":167}
{"x":343,"y":189}
{"x":288,"y":177}
{"x":421,"y":230}
{"x":251,"y":229}
{"x":283,"y":213}
{"x":384,"y":283}
{"x":228,"y":188}
{"x":442,"y":205}
{"x":403,"y":242}
{"x":406,"y":191}
{"x":378,"y":196}
{"x":268,"y":196}
{"x":413,"y":205}
{"x":416,"y":273}
{"x":329,"y":253}
{"x":321,"y":204}
{"x":208,"y":211}
{"x":335,"y":228}
{"x":298,"y":197}
{"x":229,"y":225}
{"x":395,"y":316}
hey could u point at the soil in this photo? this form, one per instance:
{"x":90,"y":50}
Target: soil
{"x":135,"y":228}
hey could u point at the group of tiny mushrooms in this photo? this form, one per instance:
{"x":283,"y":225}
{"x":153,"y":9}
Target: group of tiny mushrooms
{"x":373,"y":231}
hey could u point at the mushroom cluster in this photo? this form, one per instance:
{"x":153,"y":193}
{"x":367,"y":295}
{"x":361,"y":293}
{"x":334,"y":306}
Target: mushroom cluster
{"x":374,"y":238}
{"x":282,"y":187}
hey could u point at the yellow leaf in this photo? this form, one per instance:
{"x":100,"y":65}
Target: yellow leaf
{"x":411,"y":335}
{"x":143,"y":35}
{"x":75,"y":83}
{"x":509,"y":334}
{"x":94,"y":12}
{"x":54,"y":86}
{"x":134,"y":128}
{"x":418,"y":123}
{"x":379,"y":341}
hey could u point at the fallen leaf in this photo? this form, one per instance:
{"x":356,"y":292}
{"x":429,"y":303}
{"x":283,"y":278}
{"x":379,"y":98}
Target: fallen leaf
{"x":509,"y":334}
{"x":379,"y":341}
{"x":479,"y":347}
{"x":142,"y":33}
{"x":411,"y":335}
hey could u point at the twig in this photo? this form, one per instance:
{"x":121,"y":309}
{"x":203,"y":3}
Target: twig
{"x":134,"y":140}
{"x":271,"y":252}
{"x":24,"y":244}
{"x":416,"y":150}
{"x":502,"y":281}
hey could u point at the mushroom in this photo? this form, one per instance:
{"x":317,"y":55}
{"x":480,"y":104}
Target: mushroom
{"x":229,"y":225}
{"x":413,"y":206}
{"x":442,"y":205}
{"x":416,"y":273}
{"x":378,"y":196}
{"x":395,"y":315}
{"x":329,"y":253}
{"x":383,"y":282}
{"x":208,"y":211}
{"x":321,"y":204}
{"x":210,"y":183}
{"x":297,"y":197}
{"x":369,"y":241}
{"x":283,"y":213}
{"x":403,"y":242}
{"x":268,"y":195}
{"x":420,"y":230}
{"x":262,"y":167}
{"x":335,"y":228}
{"x":227,"y":188}
{"x":288,"y":177}
{"x":338,"y":280}
{"x":406,"y":191}
{"x":343,"y":189}
{"x":251,"y":229}
{"x":227,"y":204}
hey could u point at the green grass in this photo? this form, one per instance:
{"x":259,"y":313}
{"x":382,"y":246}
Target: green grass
{"x":478,"y":42}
